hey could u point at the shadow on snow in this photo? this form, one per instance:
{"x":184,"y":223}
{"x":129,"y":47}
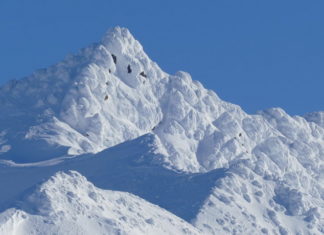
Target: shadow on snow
{"x":130,"y":167}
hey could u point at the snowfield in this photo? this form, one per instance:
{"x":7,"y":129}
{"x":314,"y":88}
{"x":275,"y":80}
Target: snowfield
{"x":68,"y":204}
{"x":111,"y":114}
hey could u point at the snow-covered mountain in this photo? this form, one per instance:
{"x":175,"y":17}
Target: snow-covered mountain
{"x":177,"y":145}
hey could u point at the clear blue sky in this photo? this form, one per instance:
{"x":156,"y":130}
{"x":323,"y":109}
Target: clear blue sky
{"x":254,"y":53}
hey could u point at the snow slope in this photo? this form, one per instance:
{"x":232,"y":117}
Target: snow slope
{"x":111,"y":92}
{"x":69,"y":204}
{"x":135,"y":166}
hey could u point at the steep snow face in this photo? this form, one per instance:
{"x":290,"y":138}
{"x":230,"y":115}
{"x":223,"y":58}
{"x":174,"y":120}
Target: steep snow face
{"x":90,"y":101}
{"x":108,"y":93}
{"x":68,"y":204}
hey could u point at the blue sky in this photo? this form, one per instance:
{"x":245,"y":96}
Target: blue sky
{"x":254,"y":53}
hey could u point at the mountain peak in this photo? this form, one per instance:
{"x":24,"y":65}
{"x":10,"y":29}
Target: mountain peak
{"x":120,"y":40}
{"x":117,"y":32}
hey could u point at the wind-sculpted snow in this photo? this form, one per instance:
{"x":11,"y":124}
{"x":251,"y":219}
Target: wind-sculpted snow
{"x":111,"y":92}
{"x":68,"y":204}
{"x":135,"y":166}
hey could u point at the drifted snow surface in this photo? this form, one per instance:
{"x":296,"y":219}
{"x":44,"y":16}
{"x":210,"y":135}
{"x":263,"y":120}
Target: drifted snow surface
{"x":246,"y":174}
{"x":68,"y":204}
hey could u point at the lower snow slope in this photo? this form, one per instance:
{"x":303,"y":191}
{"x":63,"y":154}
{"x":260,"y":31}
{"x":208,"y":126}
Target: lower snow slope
{"x":232,"y":200}
{"x":68,"y":204}
{"x":134,"y":167}
{"x":245,"y":203}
